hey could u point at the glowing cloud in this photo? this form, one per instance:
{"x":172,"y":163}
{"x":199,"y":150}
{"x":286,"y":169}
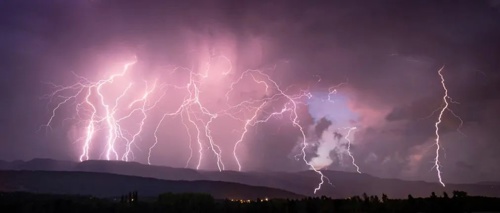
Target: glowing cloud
{"x":115,"y":115}
{"x":334,"y":141}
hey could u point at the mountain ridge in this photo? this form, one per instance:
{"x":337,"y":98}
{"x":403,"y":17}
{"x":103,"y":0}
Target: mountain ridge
{"x":114,"y":185}
{"x":344,"y":184}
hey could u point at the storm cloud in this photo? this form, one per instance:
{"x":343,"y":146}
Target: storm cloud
{"x":387,"y":52}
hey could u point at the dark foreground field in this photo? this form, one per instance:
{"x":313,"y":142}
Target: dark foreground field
{"x":189,"y":202}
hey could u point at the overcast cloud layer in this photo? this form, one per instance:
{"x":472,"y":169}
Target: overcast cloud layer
{"x":387,"y":51}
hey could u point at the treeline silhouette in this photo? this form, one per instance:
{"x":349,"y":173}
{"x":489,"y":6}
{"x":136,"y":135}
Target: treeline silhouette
{"x":190,"y":203}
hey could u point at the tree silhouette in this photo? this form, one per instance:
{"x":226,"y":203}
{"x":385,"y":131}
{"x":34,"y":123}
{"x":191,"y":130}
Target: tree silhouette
{"x":385,"y":198}
{"x":433,"y":195}
{"x":193,"y":203}
{"x":445,"y":195}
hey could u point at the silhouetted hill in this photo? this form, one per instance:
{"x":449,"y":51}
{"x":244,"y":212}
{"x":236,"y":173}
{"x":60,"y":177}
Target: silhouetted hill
{"x":344,"y":184}
{"x":114,"y":167}
{"x":38,"y":164}
{"x":109,"y":185}
{"x":137,"y":169}
{"x":492,"y":183}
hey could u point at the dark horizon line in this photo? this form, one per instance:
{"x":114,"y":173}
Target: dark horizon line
{"x":247,"y":171}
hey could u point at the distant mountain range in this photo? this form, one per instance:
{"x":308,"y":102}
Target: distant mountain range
{"x":344,"y":184}
{"x":112,"y":185}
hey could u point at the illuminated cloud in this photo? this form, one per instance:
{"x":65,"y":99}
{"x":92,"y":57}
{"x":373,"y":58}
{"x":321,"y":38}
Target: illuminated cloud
{"x":387,"y":52}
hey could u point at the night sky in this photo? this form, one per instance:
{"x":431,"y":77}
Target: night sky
{"x":383,"y":56}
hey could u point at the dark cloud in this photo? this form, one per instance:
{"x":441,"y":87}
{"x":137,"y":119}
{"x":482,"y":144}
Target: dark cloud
{"x":337,"y":136}
{"x":321,"y":126}
{"x":389,"y":51}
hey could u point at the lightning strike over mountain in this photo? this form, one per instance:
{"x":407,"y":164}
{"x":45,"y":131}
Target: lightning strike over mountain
{"x":444,"y":108}
{"x":291,"y":107}
{"x":111,"y":114}
{"x":349,"y":148}
{"x":106,"y":112}
{"x":234,"y":88}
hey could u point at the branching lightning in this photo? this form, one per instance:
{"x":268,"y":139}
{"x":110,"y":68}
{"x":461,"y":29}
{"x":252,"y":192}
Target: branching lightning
{"x":349,"y":148}
{"x":333,"y":90}
{"x":290,"y":106}
{"x":445,"y":107}
{"x":104,"y":112}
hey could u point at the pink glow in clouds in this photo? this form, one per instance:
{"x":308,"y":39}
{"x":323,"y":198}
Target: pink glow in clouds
{"x":203,"y":113}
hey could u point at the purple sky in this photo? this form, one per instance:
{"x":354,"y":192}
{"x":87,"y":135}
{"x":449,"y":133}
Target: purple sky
{"x":388,"y":54}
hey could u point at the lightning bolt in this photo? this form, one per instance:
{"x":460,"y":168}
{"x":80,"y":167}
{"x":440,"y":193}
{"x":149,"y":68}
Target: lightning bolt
{"x":143,"y":110}
{"x":90,"y":128}
{"x":290,"y":106}
{"x":349,"y":148}
{"x":333,"y":91}
{"x":445,"y":99}
{"x":101,"y":111}
{"x":191,"y":106}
